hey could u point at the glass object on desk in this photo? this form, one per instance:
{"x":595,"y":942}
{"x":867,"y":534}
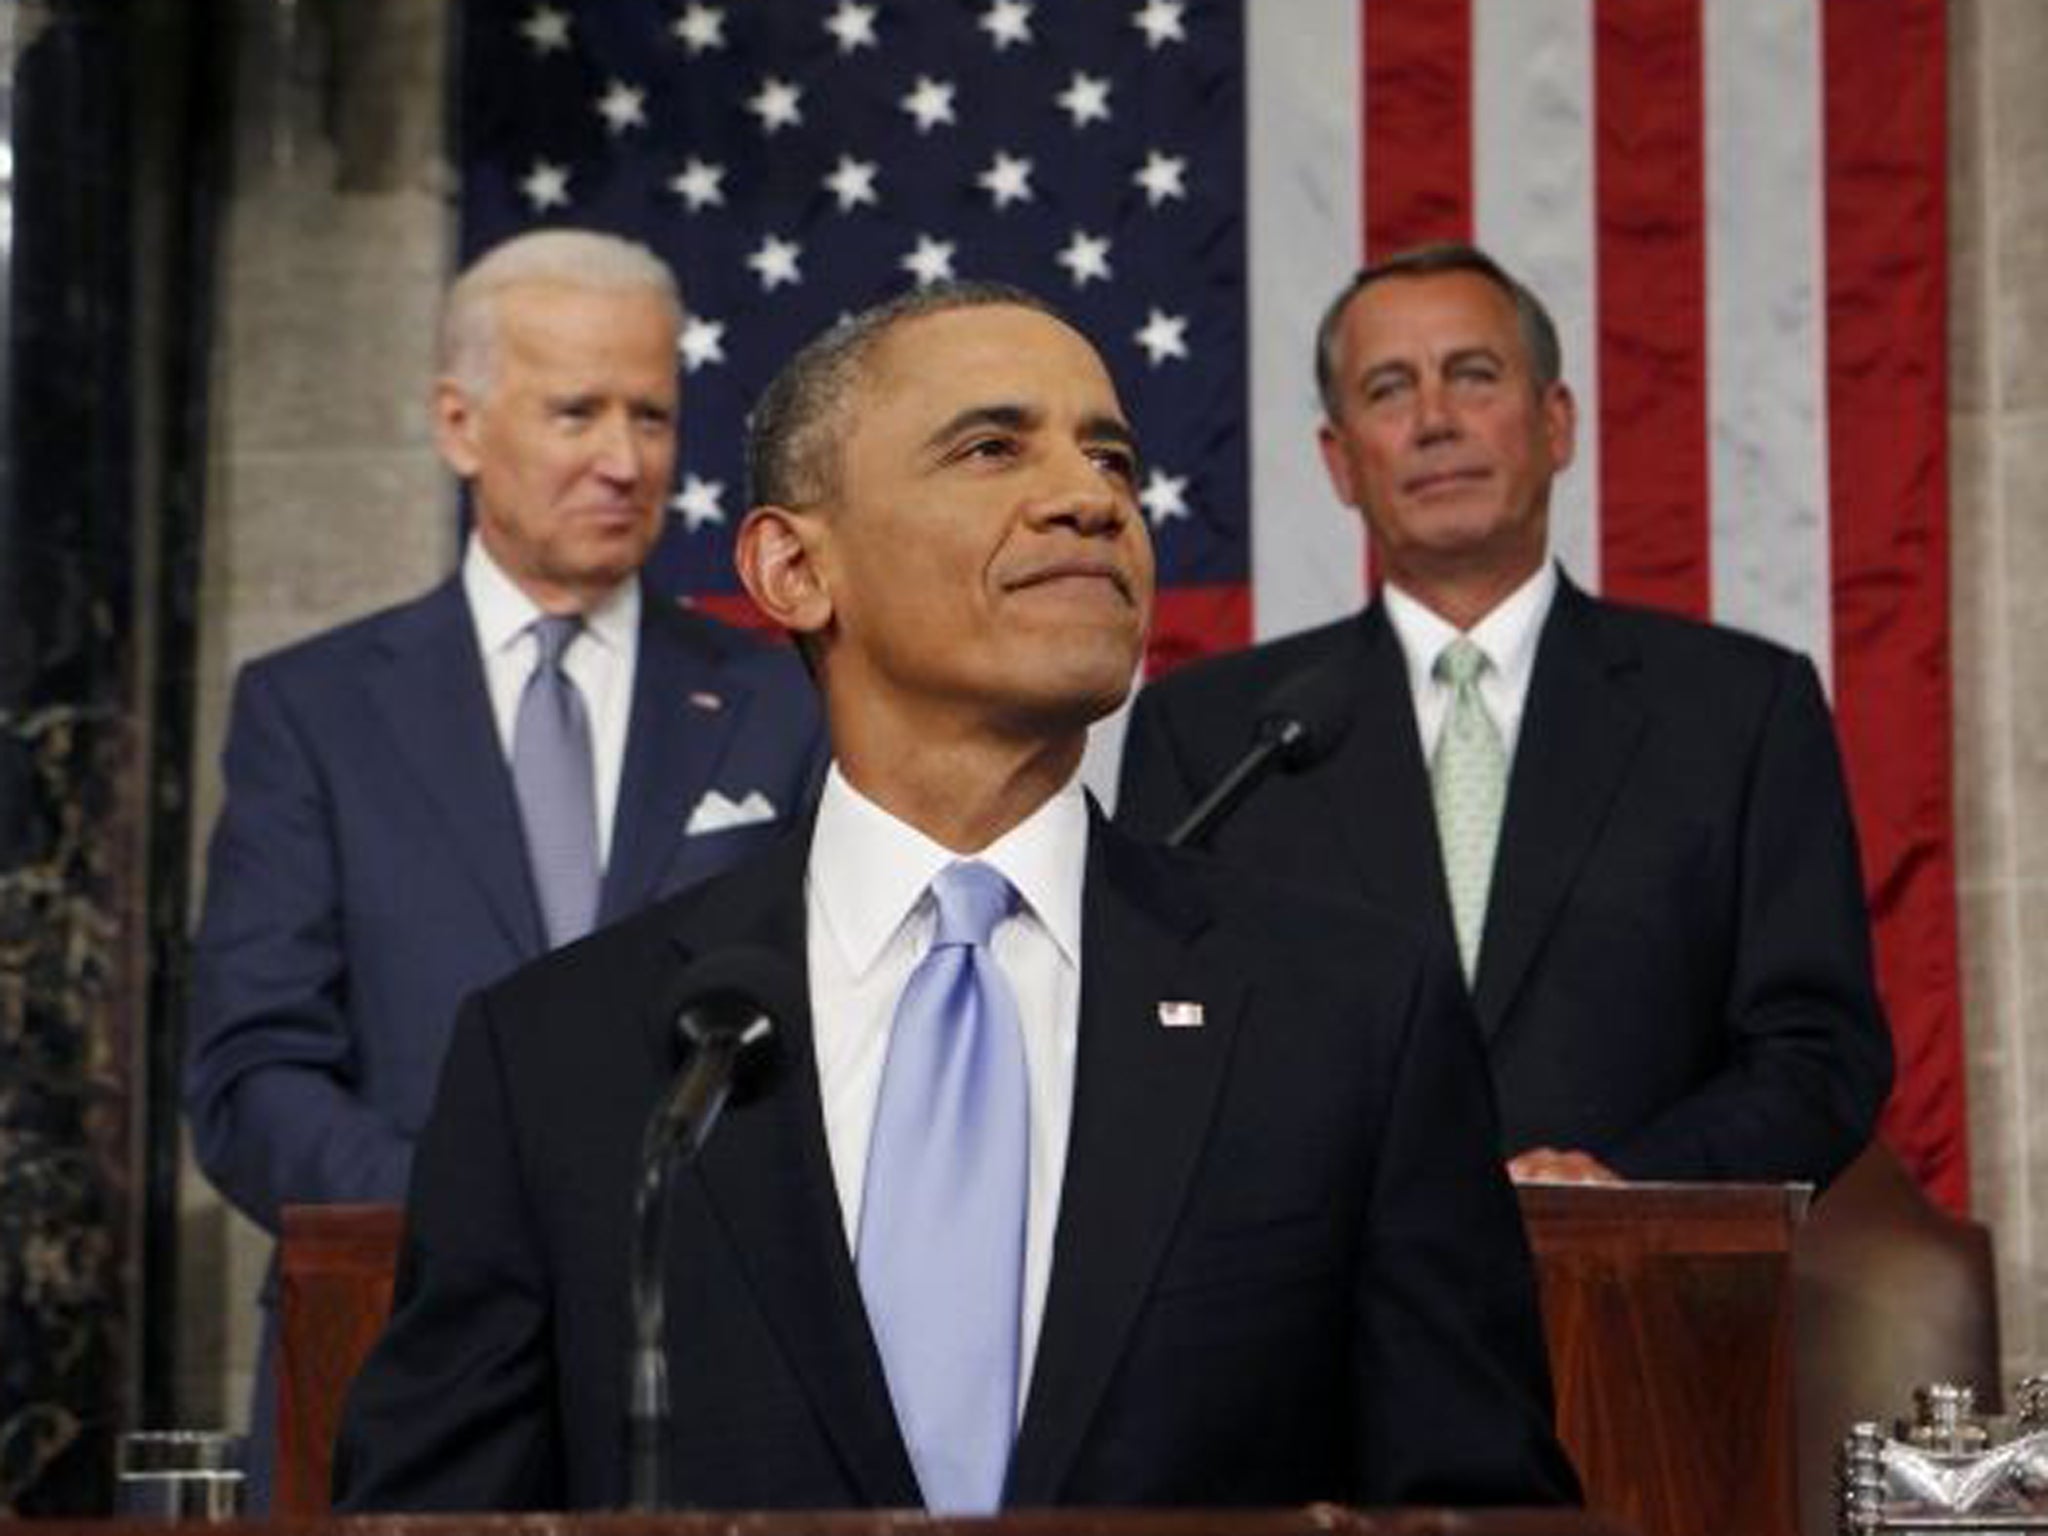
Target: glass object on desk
{"x":181,"y":1474}
{"x":1949,"y":1468}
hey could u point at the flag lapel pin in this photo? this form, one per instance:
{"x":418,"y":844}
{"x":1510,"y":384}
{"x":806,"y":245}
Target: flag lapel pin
{"x":1180,"y":1015}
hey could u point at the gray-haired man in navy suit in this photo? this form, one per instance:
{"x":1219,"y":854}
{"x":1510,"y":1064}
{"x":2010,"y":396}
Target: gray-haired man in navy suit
{"x":416,"y":804}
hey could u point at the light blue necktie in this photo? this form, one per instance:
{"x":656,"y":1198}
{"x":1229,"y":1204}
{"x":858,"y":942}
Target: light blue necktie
{"x":1469,"y":784}
{"x":557,"y":796}
{"x":942,"y":1212}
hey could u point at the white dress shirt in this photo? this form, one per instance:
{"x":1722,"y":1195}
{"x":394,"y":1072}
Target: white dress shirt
{"x":1507,"y":635}
{"x":599,"y":661}
{"x":870,"y":922}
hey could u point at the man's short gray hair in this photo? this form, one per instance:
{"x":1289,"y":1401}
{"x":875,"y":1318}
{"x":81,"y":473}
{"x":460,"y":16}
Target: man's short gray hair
{"x":577,"y":258}
{"x":794,"y":428}
{"x":1539,"y":331}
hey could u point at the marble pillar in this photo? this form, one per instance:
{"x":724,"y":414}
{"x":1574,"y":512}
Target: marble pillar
{"x":71,"y":801}
{"x":1998,"y":426}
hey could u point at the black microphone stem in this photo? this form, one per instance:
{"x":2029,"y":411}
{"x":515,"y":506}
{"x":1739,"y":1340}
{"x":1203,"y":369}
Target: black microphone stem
{"x":1282,"y":737}
{"x":675,"y":1134}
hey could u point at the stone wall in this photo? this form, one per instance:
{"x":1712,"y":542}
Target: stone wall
{"x":1998,"y":377}
{"x":83,"y":327}
{"x":325,"y":497}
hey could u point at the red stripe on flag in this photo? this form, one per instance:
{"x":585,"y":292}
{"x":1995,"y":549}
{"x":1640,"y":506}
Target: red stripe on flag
{"x":1191,"y":622}
{"x":1888,"y":456}
{"x":1651,"y":250}
{"x":1418,"y":122}
{"x":1417,"y":132}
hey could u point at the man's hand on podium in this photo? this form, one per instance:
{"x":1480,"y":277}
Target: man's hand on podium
{"x":1549,"y":1165}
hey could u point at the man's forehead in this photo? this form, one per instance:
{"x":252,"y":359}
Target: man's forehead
{"x":587,"y":319}
{"x":562,"y":320}
{"x":1442,"y":308}
{"x":961,"y":353}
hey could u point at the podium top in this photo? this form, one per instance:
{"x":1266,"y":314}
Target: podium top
{"x":1685,"y":1218}
{"x":1693,"y":1208}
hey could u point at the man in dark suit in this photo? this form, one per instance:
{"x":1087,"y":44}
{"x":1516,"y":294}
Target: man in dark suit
{"x":1176,"y":1189}
{"x":1634,"y":826}
{"x":380,"y":853}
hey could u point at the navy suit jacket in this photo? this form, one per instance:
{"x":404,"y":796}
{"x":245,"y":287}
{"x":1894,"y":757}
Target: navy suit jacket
{"x":369,"y":871}
{"x":1287,"y":1266}
{"x":1675,"y":972}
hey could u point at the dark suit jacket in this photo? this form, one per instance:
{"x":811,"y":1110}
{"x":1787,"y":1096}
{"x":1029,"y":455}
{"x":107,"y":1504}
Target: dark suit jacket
{"x":1287,"y":1264}
{"x":1675,"y":973}
{"x":368,"y":871}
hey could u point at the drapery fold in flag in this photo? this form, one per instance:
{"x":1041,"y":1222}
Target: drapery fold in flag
{"x":1735,"y":211}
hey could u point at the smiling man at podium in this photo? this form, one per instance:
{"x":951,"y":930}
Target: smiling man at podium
{"x":1089,"y":1172}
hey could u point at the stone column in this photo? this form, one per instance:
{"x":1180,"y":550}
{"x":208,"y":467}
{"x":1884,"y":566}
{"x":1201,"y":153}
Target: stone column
{"x":1998,"y":373}
{"x":71,"y":781}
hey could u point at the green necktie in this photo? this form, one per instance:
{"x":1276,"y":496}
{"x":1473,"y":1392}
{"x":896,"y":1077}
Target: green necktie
{"x":1469,"y":781}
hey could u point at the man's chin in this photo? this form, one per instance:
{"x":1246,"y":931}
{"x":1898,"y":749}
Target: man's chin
{"x":1456,"y":551}
{"x":602,"y":568}
{"x":1077,"y":698}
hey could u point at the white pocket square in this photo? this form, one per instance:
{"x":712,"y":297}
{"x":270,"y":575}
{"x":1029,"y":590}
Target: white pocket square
{"x":715,"y":813}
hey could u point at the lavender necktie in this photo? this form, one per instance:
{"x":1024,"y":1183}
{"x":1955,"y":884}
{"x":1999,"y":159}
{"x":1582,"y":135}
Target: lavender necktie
{"x":942,"y":1213}
{"x":557,"y":796}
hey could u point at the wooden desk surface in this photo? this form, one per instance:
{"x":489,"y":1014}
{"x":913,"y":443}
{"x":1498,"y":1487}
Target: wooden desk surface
{"x":1310,"y":1520}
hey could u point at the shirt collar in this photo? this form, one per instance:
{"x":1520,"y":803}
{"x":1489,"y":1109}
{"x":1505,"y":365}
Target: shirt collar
{"x":1507,"y":634}
{"x":869,"y":870}
{"x":503,"y":611}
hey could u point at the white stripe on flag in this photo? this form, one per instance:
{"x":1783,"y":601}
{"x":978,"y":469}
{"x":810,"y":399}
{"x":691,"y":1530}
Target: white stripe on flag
{"x":1532,"y":201}
{"x":1766,"y":327}
{"x":1303,"y":226}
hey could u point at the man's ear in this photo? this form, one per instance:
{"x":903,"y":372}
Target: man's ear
{"x":777,"y":557}
{"x":455,"y":428}
{"x":1560,"y":425}
{"x":1336,"y":463}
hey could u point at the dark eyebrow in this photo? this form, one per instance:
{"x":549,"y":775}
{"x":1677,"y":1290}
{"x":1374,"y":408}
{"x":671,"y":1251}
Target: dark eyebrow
{"x":1021,"y":418}
{"x":1113,"y":429}
{"x":1010,"y":418}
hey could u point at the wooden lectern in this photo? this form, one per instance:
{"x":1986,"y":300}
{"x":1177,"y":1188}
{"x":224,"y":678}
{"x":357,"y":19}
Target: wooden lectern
{"x":1668,"y":1310}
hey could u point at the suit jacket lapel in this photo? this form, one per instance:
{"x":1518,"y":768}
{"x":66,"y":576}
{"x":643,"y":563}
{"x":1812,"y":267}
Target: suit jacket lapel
{"x":1143,"y":1100}
{"x":1580,"y":729}
{"x":685,"y":710}
{"x":767,"y":1177}
{"x":1375,"y":788}
{"x":431,"y":696}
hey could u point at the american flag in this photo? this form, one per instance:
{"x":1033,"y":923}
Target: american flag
{"x":796,"y":160}
{"x":1734,"y":207}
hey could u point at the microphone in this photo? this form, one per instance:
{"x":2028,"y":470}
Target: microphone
{"x":1304,"y":718}
{"x":721,"y":1026}
{"x":722,"y":1020}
